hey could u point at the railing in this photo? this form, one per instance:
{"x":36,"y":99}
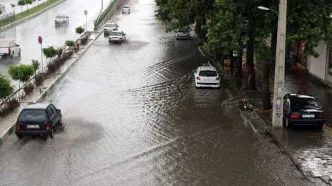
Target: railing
{"x":19,"y":94}
{"x":110,"y":10}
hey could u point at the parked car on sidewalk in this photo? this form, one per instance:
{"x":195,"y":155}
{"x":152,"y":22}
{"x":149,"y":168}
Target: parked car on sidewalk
{"x":206,"y":76}
{"x":40,"y":119}
{"x":117,"y":37}
{"x":61,"y":20}
{"x":9,"y":48}
{"x":182,"y":33}
{"x":302,"y":109}
{"x":125,"y":9}
{"x":110,"y":27}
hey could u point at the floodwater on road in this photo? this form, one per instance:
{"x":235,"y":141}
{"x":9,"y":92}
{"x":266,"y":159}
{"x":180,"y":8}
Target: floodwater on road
{"x":133,"y":117}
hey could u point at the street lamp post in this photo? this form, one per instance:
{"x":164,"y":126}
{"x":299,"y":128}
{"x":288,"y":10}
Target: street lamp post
{"x":279,"y":77}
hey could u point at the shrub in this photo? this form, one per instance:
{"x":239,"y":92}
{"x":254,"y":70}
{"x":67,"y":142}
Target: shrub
{"x":35,"y":64}
{"x":80,"y":30}
{"x":51,"y":67}
{"x":50,"y":52}
{"x":5,"y":87}
{"x":28,"y":88}
{"x":70,"y":43}
{"x":12,"y":104}
{"x":84,"y":40}
{"x":59,"y":52}
{"x":21,"y":72}
{"x":39,"y":79}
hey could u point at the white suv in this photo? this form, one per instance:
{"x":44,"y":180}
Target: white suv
{"x":207,"y":76}
{"x":61,"y":19}
{"x":117,"y":36}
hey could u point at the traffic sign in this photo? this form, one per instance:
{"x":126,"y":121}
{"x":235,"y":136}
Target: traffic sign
{"x":40,"y":40}
{"x":85,"y":12}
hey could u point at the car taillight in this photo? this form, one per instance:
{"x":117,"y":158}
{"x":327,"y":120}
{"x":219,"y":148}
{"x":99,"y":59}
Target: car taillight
{"x":17,"y":126}
{"x":48,"y":126}
{"x":198,"y":78}
{"x":294,"y":116}
{"x":9,"y":51}
{"x":321,"y":115}
{"x":217,"y":78}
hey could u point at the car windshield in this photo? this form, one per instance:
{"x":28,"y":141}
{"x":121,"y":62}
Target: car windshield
{"x":116,"y":34}
{"x":208,"y":73}
{"x":125,"y":6}
{"x":110,"y":25}
{"x":182,"y":30}
{"x":61,"y":17}
{"x":36,"y":115}
{"x":304,"y":103}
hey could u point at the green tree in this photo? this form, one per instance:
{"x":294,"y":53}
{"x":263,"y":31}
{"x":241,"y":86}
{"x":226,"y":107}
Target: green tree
{"x":70,"y":44}
{"x":50,"y":52}
{"x":21,"y":3}
{"x":21,"y":73}
{"x":79,"y":30}
{"x":28,"y":2}
{"x":5,"y":87}
{"x":36,"y":65}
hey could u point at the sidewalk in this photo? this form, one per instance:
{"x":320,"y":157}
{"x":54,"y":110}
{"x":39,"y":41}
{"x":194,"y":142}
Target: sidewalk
{"x":6,"y":123}
{"x":295,"y":81}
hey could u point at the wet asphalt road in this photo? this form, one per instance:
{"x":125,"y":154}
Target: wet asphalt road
{"x":133,"y":117}
{"x":26,"y":34}
{"x":17,"y":9}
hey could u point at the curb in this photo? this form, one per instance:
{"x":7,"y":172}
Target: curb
{"x":58,"y":79}
{"x":30,"y":17}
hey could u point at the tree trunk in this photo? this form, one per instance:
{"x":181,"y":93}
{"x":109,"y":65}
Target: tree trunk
{"x":266,"y":74}
{"x":250,"y":65}
{"x":239,"y":62}
{"x":266,"y":87}
{"x":198,"y":26}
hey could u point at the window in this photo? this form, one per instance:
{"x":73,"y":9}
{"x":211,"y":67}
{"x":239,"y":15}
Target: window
{"x":53,"y":109}
{"x":61,"y":17}
{"x":116,"y":34}
{"x":50,"y":112}
{"x":110,"y":25}
{"x":208,"y":73}
{"x":32,"y":115}
{"x":304,"y":103}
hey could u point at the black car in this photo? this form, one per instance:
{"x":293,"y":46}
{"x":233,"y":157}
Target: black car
{"x":40,"y":119}
{"x":303,"y":110}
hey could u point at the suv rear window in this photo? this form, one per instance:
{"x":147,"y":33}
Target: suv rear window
{"x":60,"y":17}
{"x":37,"y":115}
{"x":304,"y":103}
{"x":110,"y":25}
{"x":208,"y":73}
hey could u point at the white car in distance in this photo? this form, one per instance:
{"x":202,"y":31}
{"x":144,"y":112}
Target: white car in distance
{"x":110,"y":27}
{"x":206,"y":76}
{"x":117,"y":37}
{"x":61,"y":20}
{"x":125,"y":9}
{"x":182,"y":33}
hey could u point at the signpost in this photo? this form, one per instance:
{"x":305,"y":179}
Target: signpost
{"x":40,"y":41}
{"x":86,"y":19}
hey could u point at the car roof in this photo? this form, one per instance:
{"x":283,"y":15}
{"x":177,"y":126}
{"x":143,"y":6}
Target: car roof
{"x":61,"y":15}
{"x":301,"y":96}
{"x":110,"y":23}
{"x":207,"y":68}
{"x":37,"y":106}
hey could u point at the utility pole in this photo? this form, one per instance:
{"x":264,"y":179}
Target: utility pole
{"x":279,"y":77}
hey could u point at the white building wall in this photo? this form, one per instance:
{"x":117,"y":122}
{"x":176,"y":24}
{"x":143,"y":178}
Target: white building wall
{"x":317,"y":66}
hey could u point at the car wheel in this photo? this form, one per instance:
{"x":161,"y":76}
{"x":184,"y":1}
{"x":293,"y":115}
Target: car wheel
{"x":19,"y":53}
{"x":52,"y":133}
{"x":19,"y":136}
{"x":110,"y":42}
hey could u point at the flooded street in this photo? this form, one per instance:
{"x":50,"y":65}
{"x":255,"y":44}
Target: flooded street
{"x":132,"y":116}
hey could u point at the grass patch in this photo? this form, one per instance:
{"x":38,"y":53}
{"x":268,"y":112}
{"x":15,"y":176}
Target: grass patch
{"x":29,"y":12}
{"x":103,"y":15}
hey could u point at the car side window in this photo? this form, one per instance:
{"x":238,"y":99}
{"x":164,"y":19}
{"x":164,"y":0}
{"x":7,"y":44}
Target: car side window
{"x":49,"y":112}
{"x":53,"y":109}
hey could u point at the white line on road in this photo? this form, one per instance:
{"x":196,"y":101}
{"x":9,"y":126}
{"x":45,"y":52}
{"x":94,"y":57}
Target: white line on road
{"x":199,"y":48}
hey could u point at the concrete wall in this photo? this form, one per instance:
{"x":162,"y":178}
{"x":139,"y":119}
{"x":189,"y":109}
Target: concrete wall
{"x":317,"y":66}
